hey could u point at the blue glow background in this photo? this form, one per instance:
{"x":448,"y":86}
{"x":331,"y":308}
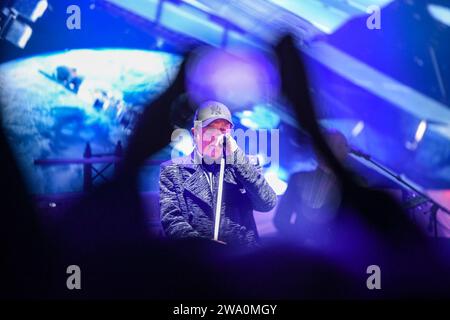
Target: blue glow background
{"x":44,"y":120}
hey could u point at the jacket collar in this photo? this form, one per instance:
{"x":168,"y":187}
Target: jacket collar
{"x":197,"y":183}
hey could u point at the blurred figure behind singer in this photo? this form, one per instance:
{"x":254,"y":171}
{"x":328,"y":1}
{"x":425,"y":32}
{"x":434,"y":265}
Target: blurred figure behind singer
{"x":307,"y":211}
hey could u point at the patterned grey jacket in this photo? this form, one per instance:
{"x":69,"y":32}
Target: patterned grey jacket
{"x":187,"y":203}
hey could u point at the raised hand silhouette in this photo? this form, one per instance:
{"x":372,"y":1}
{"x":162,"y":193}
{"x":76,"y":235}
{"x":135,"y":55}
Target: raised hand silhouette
{"x":155,"y":126}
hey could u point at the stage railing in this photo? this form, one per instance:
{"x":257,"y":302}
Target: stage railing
{"x":92,"y":173}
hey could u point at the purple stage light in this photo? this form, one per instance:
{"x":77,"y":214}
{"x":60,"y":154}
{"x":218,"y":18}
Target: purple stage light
{"x":238,"y":80}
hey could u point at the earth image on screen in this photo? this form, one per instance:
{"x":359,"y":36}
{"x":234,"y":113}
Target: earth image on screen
{"x":46,"y":116}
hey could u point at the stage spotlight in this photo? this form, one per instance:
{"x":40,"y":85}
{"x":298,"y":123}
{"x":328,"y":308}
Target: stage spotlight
{"x":358,"y":128}
{"x":440,"y":13}
{"x":420,"y":132}
{"x":421,"y":128}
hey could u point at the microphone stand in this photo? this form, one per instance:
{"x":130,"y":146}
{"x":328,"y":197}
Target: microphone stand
{"x":219,"y":192}
{"x":435,"y":206}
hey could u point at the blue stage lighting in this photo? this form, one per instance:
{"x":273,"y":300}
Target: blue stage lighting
{"x":278,"y":185}
{"x":440,"y":13}
{"x":261,"y":117}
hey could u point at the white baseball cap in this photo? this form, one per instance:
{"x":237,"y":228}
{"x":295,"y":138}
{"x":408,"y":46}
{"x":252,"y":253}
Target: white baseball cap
{"x":212,"y":110}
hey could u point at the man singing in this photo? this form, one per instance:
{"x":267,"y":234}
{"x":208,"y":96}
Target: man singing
{"x":188,"y":185}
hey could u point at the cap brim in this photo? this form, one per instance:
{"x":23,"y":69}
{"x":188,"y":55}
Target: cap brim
{"x":208,"y":121}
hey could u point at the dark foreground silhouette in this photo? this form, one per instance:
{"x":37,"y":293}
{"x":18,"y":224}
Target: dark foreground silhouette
{"x":106,"y":234}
